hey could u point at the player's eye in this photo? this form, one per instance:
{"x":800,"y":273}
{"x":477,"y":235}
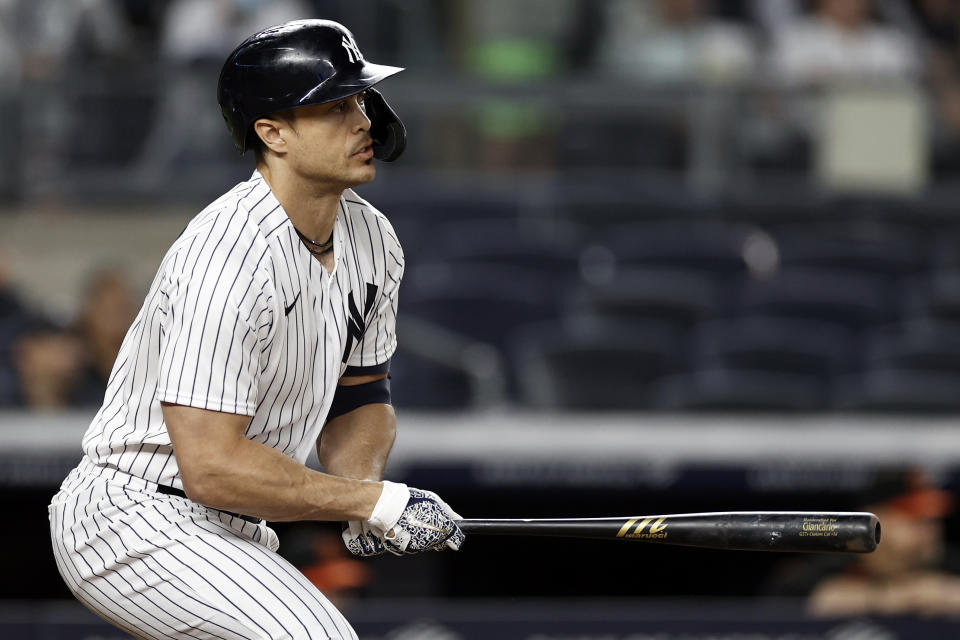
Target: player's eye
{"x":341,"y":106}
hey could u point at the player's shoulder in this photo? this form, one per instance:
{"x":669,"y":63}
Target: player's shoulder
{"x":233,"y":229}
{"x":360,"y":212}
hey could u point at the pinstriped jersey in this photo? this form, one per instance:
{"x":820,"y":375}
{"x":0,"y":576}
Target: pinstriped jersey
{"x":241,"y":318}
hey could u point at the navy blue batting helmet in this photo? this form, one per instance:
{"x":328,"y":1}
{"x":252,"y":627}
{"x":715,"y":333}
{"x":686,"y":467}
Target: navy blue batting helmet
{"x":302,"y":63}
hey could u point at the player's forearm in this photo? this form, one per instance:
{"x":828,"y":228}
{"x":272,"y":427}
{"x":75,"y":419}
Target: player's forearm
{"x":357,"y":444}
{"x":256,"y":480}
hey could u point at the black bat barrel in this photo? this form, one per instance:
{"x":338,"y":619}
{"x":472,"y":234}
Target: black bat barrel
{"x":744,"y":530}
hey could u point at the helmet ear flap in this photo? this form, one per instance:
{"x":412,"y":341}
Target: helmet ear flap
{"x":386,"y":129}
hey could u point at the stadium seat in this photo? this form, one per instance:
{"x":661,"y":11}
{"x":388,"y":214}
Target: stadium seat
{"x":922,"y":344}
{"x":730,"y":389}
{"x":677,"y":297}
{"x":548,"y":246}
{"x":586,"y":363}
{"x":483,"y":302}
{"x":605,"y":200}
{"x":853,"y":300}
{"x":888,"y":256}
{"x":776,"y":344}
{"x":417,"y":383}
{"x":898,"y":390}
{"x":714,"y":248}
{"x":937,"y":296}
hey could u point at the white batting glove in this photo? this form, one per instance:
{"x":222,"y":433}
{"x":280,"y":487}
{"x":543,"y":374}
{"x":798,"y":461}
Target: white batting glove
{"x":420,"y":523}
{"x":361,"y":540}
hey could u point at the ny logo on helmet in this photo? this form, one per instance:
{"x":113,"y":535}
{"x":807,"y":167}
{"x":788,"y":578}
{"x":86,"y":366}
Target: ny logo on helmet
{"x":353,"y":52}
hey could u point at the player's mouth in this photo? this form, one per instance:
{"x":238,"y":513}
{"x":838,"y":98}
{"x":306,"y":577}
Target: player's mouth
{"x":365,"y":152}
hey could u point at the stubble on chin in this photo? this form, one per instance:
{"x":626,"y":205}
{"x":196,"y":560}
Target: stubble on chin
{"x":368,"y":175}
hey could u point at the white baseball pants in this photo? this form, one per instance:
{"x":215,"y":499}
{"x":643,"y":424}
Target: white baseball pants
{"x":163,"y":567}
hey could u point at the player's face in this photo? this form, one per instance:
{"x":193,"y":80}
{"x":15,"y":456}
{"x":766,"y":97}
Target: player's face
{"x":332,"y":143}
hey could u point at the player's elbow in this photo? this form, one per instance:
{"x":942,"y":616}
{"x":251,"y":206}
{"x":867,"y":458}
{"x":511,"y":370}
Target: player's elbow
{"x":198,"y":484}
{"x":206,"y":481}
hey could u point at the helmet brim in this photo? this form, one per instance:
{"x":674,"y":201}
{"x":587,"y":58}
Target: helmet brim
{"x":369,"y":75}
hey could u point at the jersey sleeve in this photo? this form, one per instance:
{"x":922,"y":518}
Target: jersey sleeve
{"x":217,"y":330}
{"x":379,"y":338}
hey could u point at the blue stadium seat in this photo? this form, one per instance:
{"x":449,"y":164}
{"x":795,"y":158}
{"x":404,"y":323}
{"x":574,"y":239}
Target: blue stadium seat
{"x":586,"y":363}
{"x":898,"y":390}
{"x":853,"y":300}
{"x":888,"y":255}
{"x":484,"y":302}
{"x":546,"y":245}
{"x":784,"y":345}
{"x":417,"y":383}
{"x":921,"y":344}
{"x":937,"y":296}
{"x":709,"y":246}
{"x":677,"y":297}
{"x":730,"y":389}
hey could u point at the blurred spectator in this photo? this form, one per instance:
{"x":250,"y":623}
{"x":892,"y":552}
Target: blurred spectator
{"x":65,"y":32}
{"x":196,"y":37}
{"x":841,"y":41}
{"x":46,"y":366}
{"x":318,"y":552}
{"x":939,"y":21}
{"x":13,"y":323}
{"x":674,"y":41}
{"x":9,"y":90}
{"x":109,"y":308}
{"x":207,"y":30}
{"x":9,"y":45}
{"x":508,"y":42}
{"x":838,"y":44}
{"x":912,"y":572}
{"x":60,"y":41}
{"x":47,"y":360}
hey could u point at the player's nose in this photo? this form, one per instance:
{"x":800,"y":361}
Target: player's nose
{"x":362,"y":120}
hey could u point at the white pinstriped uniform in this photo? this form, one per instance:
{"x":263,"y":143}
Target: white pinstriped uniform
{"x":240,"y":318}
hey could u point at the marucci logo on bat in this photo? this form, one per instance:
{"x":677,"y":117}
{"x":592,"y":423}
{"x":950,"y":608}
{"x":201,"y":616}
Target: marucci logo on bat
{"x":656,"y":531}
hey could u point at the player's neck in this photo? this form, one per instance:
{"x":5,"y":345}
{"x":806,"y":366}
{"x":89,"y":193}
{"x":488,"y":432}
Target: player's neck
{"x":312,"y":209}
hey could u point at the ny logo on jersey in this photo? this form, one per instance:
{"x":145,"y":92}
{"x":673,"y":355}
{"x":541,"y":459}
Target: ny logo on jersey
{"x":357,"y":323}
{"x":353,"y":52}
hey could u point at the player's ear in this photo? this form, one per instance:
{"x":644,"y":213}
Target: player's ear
{"x":271,"y":133}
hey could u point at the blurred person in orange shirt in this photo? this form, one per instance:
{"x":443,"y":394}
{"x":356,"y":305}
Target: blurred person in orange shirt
{"x":318,"y":552}
{"x":909,"y":573}
{"x":912,"y":572}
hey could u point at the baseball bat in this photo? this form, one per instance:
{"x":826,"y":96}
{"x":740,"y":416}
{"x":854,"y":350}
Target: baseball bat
{"x":809,"y":531}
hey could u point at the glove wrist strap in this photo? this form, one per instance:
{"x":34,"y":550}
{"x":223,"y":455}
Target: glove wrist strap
{"x":393,"y":500}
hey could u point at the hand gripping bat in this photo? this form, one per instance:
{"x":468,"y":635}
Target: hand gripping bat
{"x":809,"y":531}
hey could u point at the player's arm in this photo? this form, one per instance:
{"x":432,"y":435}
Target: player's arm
{"x":356,"y":442}
{"x":223,"y":469}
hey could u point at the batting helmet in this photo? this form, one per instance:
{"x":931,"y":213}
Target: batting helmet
{"x":302,"y":63}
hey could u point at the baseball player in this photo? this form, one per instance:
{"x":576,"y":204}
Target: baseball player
{"x":268,"y":330}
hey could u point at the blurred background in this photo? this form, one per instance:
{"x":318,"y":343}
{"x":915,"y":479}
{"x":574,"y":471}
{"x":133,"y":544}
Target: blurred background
{"x":662,"y":256}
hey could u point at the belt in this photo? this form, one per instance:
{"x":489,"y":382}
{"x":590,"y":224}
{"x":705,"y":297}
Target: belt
{"x":173,"y":491}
